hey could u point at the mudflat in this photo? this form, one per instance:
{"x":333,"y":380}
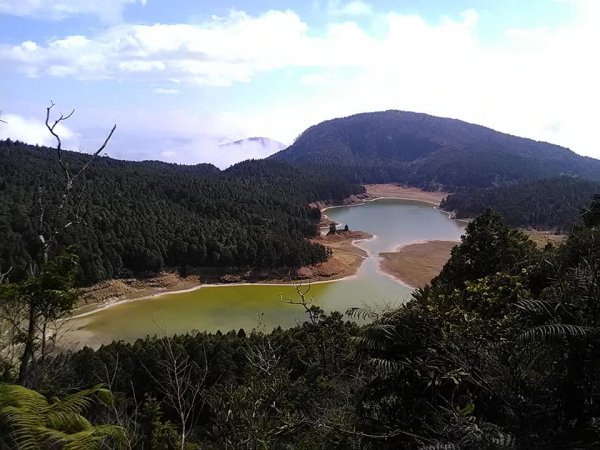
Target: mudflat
{"x":416,"y":264}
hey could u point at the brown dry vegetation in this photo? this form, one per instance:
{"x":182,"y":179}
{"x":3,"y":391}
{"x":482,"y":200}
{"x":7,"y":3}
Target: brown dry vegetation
{"x":408,"y":193}
{"x":542,"y":238}
{"x":111,"y":291}
{"x":345,"y":261}
{"x":416,"y":264}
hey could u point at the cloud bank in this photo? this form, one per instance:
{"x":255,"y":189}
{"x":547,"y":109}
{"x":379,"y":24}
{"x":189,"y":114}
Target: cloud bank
{"x":34,"y":131}
{"x":539,"y":83}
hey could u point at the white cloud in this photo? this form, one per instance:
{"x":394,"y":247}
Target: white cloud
{"x":217,"y":53}
{"x":107,"y":10}
{"x":34,"y":131}
{"x":539,"y":83}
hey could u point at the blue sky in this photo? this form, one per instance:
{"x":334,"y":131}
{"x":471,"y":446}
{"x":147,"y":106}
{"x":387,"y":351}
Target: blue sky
{"x":180,"y":77}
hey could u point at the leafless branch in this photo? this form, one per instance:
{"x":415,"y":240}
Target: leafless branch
{"x":308,"y":306}
{"x":181,"y":390}
{"x":263,"y":356}
{"x":4,"y":275}
{"x":70,"y":180}
{"x":118,"y":413}
{"x":52,"y":129}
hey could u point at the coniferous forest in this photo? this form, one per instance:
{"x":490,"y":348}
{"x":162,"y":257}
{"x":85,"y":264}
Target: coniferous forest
{"x":500,"y":351}
{"x":137,"y":218}
{"x":551,"y":204}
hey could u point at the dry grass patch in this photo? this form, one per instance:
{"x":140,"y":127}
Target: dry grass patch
{"x":416,"y":264}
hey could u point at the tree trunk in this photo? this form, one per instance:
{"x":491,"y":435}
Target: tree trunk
{"x":27,"y":356}
{"x":43,"y":349}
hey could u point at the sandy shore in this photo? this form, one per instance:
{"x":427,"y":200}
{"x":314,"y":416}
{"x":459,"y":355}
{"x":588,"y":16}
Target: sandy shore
{"x":381,"y":191}
{"x":416,"y":264}
{"x":375,"y":191}
{"x":345,"y":261}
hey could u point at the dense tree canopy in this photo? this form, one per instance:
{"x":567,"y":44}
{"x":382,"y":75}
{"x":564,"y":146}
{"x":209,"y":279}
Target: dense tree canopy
{"x":140,"y":217}
{"x":500,"y":351}
{"x":551,"y":204}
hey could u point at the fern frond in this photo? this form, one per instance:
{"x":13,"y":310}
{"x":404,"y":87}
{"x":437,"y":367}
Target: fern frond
{"x":533,"y":306}
{"x":361,"y":314}
{"x":32,"y":421}
{"x":367,"y":343}
{"x":385,"y":366}
{"x":554,"y":331}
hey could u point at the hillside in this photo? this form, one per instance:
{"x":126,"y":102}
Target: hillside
{"x":552,"y":204}
{"x":431,"y":152}
{"x":138,"y":217}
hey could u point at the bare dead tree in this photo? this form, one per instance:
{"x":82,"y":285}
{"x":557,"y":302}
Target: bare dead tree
{"x":120,"y":413}
{"x":181,"y":382}
{"x":4,"y":275}
{"x":309,"y":307}
{"x":263,"y":356}
{"x":49,"y":228}
{"x":58,"y":222}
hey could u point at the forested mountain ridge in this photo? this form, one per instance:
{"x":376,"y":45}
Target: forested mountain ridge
{"x":553,"y":204}
{"x":431,"y":152}
{"x":138,"y":217}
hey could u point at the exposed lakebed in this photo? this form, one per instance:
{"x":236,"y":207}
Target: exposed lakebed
{"x":392,"y":222}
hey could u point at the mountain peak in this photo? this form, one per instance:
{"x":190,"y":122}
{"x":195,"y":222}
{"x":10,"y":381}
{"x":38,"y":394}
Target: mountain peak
{"x":431,"y":152}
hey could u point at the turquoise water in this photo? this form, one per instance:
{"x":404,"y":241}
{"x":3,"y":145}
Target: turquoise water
{"x":393,"y":222}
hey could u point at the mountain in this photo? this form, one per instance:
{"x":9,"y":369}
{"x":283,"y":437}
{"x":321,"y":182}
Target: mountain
{"x":431,"y":152}
{"x":248,"y":148}
{"x":262,"y":141}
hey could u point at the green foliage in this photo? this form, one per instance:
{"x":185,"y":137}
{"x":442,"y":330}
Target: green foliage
{"x":591,"y":215}
{"x":163,"y":434}
{"x":488,"y":247}
{"x":551,"y":204}
{"x":29,"y":420}
{"x":139,"y":217}
{"x":29,"y":306}
{"x":52,"y":291}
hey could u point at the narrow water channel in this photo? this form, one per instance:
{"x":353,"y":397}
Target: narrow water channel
{"x":392,"y":222}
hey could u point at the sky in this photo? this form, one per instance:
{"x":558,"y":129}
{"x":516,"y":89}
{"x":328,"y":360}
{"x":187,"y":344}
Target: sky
{"x":182,"y":77}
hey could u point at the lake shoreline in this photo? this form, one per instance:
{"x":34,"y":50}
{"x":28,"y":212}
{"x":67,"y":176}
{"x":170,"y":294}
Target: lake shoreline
{"x":344,"y":264}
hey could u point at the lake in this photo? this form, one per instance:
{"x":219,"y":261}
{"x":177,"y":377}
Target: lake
{"x":227,"y":307}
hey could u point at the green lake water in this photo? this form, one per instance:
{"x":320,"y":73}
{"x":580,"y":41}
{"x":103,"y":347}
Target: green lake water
{"x":227,"y":307}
